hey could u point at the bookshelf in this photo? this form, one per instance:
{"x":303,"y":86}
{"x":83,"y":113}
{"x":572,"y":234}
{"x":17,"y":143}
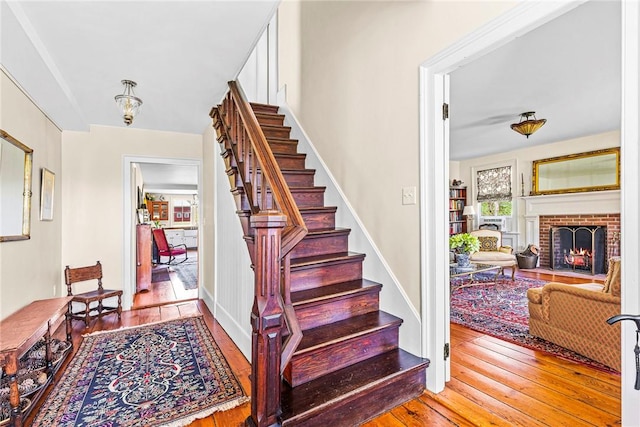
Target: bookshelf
{"x":457,"y":201}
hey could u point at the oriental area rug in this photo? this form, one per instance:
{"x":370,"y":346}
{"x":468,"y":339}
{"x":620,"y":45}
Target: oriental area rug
{"x":499,"y":307}
{"x":163,"y":374}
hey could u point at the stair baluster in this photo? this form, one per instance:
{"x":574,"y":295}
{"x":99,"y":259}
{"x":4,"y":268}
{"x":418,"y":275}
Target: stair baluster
{"x":279,"y":227}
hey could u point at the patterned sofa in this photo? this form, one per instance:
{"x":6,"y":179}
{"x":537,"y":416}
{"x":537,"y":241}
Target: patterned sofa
{"x":575,"y":316}
{"x":492,"y":252}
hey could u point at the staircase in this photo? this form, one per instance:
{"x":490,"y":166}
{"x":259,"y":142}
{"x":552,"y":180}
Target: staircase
{"x":347,"y":367}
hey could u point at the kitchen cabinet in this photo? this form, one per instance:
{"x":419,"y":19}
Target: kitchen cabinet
{"x":158,"y":210}
{"x":191,"y":238}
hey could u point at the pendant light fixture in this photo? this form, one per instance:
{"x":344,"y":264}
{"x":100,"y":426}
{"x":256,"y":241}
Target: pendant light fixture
{"x":128,"y":103}
{"x":528,"y":126}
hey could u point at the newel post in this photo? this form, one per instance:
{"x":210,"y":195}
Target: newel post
{"x":266,"y":321}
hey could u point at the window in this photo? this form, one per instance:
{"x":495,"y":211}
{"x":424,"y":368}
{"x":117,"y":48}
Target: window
{"x":494,"y":191}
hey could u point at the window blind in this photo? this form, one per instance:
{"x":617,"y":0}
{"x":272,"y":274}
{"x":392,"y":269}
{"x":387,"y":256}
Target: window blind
{"x":494,"y":184}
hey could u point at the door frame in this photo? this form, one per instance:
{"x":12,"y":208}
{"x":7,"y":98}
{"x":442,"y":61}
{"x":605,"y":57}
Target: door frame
{"x":434,"y":178}
{"x":129,"y":221}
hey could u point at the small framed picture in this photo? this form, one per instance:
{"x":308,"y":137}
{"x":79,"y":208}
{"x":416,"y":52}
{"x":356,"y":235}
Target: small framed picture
{"x":46,"y":195}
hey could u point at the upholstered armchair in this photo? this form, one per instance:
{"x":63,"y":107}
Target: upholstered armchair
{"x":492,"y":252}
{"x":575,"y":316}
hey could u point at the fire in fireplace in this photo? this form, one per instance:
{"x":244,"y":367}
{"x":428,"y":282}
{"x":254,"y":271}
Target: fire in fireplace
{"x":578,"y":258}
{"x":578,"y":248}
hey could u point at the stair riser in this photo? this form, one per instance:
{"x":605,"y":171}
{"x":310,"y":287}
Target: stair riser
{"x":284,"y":160}
{"x":314,"y":364}
{"x":302,"y":199}
{"x":356,"y":408}
{"x":311,"y":316}
{"x":293,"y":178}
{"x":270,"y":119}
{"x":319,"y":220}
{"x":281,"y":147}
{"x":322,"y":245}
{"x":264,"y":108}
{"x":314,"y":222}
{"x":288,"y":162}
{"x":276,"y":131}
{"x":325,"y":274}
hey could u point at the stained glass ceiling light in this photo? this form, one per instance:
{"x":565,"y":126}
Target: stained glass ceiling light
{"x":528,"y":126}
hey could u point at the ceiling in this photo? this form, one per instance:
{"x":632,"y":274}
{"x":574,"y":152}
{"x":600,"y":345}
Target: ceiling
{"x":169,"y":178}
{"x":70,"y":56}
{"x":567,"y":71}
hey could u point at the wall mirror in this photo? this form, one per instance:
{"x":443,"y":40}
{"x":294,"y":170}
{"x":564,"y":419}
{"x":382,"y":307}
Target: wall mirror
{"x":15,"y":188}
{"x":591,"y":171}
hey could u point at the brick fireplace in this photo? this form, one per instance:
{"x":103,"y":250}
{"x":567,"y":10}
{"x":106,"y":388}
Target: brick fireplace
{"x":607,"y":224}
{"x":597,"y":209}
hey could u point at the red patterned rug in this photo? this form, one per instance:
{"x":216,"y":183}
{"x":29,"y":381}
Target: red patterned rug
{"x":162,"y":374}
{"x":500,"y":309}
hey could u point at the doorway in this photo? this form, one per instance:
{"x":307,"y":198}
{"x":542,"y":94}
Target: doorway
{"x":164,"y":195}
{"x":434,"y":161}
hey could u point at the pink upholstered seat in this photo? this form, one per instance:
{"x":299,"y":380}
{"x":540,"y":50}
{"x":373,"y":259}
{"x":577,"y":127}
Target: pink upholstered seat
{"x":167,"y":250}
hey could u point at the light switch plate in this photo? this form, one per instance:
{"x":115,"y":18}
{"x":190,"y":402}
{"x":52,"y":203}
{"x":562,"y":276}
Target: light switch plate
{"x":408,"y":195}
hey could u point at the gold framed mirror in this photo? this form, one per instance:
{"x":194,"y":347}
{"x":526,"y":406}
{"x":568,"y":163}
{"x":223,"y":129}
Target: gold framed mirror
{"x":16,"y":161}
{"x":591,"y":171}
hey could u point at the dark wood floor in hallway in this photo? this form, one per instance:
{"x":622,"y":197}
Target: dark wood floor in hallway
{"x":493,"y":382}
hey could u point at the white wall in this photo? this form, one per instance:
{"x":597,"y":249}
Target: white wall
{"x":234,"y":276}
{"x":93,"y":199}
{"x":354,"y":73}
{"x":31,"y":269}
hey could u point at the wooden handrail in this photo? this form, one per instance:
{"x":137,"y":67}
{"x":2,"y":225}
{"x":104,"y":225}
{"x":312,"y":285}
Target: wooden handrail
{"x":238,"y":129}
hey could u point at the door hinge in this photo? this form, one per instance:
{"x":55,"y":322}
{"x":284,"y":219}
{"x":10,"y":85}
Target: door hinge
{"x":446,"y":351}
{"x":445,"y":111}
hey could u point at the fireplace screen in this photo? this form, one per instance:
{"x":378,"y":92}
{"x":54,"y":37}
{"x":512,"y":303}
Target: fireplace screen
{"x":579,"y":249}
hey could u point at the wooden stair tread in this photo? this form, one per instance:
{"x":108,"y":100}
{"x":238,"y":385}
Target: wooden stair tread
{"x":329,"y":209}
{"x":264,"y":108}
{"x":333,"y":291}
{"x":268,"y":114}
{"x":267,"y":127}
{"x":281,"y":140}
{"x":321,"y":259}
{"x":233,"y":169}
{"x":345,"y":329}
{"x":291,"y":155}
{"x":316,"y":234}
{"x":318,"y":395}
{"x":292,"y":189}
{"x":335,"y":231}
{"x":319,"y":209}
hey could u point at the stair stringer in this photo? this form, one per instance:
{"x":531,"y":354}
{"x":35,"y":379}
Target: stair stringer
{"x":393,"y":299}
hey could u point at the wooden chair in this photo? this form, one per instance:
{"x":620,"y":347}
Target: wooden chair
{"x":83,"y":274}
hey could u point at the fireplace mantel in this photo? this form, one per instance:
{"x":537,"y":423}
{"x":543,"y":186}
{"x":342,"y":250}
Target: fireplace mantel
{"x":594,"y":202}
{"x":587,"y":203}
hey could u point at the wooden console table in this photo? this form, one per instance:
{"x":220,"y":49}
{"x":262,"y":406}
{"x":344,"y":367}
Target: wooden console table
{"x":20,"y":331}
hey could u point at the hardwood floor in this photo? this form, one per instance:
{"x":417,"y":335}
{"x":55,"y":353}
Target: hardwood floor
{"x":238,"y":363}
{"x":166,"y":292}
{"x":493,"y":382}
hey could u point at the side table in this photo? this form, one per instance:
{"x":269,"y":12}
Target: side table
{"x":20,"y":331}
